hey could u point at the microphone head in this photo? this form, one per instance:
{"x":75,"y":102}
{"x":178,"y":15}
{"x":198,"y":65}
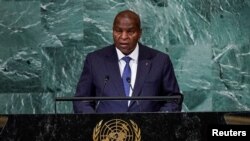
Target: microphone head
{"x":106,"y":78}
{"x":128,"y":79}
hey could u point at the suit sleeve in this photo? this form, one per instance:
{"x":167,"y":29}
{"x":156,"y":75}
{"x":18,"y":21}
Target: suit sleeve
{"x":170,"y":87}
{"x":85,"y":88}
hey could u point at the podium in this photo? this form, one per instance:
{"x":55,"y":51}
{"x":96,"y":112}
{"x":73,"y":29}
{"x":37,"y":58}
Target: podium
{"x":188,"y":126}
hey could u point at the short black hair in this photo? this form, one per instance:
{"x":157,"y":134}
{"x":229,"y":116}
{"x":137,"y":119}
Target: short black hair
{"x":128,"y":14}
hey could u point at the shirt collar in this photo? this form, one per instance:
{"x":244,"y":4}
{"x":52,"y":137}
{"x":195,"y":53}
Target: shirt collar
{"x":133,"y":55}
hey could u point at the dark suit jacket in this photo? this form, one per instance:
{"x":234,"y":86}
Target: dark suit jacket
{"x":155,"y":77}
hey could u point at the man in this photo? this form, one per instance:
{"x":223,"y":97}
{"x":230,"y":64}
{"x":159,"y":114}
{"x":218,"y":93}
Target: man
{"x":127,"y":68}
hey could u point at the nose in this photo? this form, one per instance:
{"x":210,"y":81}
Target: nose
{"x":124,"y":35}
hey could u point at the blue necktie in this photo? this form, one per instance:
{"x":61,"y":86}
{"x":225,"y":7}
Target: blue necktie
{"x":126,"y":75}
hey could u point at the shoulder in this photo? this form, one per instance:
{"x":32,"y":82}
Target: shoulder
{"x":152,"y":53}
{"x":102,"y":52}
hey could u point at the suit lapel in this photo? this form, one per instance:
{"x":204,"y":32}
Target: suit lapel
{"x":143,"y":68}
{"x":114,"y":72}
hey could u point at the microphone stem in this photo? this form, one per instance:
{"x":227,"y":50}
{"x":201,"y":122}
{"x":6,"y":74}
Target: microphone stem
{"x":105,"y":83}
{"x":137,"y":102}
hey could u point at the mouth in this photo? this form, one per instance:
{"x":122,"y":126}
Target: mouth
{"x":124,"y":44}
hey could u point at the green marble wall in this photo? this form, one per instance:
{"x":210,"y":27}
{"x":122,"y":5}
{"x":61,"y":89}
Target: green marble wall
{"x":43,"y":44}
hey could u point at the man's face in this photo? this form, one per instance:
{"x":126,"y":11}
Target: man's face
{"x":126,"y":34}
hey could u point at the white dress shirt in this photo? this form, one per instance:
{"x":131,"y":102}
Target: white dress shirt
{"x":133,"y":65}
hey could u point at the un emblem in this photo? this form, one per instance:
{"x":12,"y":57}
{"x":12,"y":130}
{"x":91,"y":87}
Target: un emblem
{"x":117,"y":130}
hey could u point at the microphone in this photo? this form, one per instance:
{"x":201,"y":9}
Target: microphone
{"x":106,"y":79}
{"x":128,"y":79}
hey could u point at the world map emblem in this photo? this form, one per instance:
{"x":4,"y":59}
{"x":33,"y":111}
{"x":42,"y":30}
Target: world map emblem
{"x":116,"y":130}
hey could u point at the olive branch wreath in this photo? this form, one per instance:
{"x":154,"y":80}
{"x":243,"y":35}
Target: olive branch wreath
{"x":137,"y":131}
{"x":97,"y":131}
